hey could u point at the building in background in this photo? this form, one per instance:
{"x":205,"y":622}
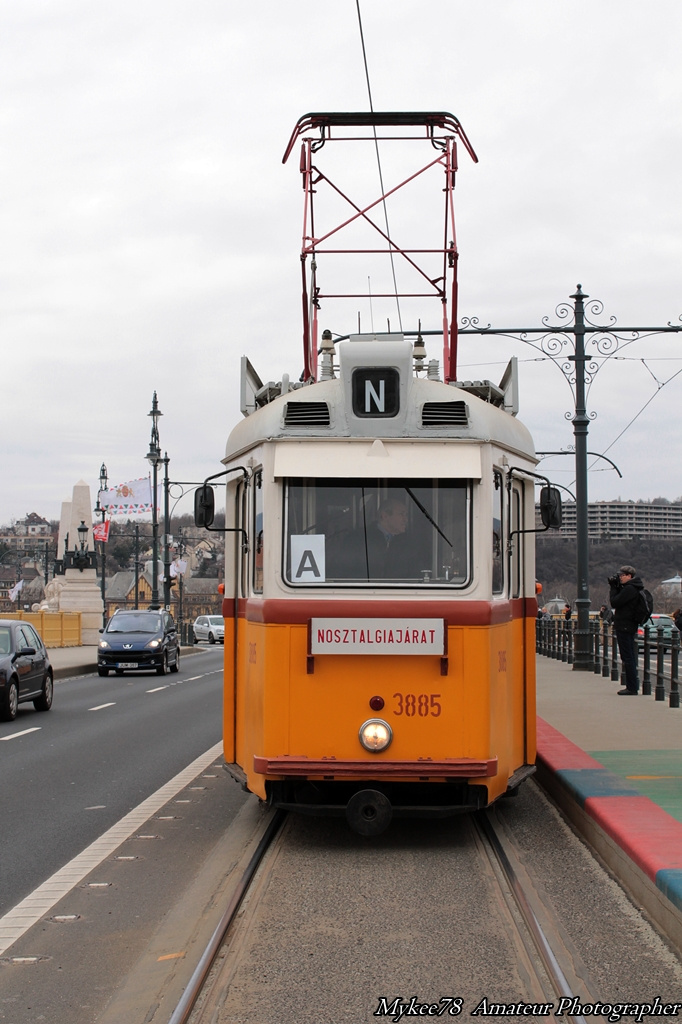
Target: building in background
{"x":623,"y":520}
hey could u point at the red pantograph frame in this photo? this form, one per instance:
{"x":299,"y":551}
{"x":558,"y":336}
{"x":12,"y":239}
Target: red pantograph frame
{"x":442,"y":130}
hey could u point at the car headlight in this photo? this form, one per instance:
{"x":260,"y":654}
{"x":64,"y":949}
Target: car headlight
{"x":375,"y":735}
{"x":154,"y":643}
{"x":103,"y":644}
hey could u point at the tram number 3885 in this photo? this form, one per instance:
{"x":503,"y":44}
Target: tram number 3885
{"x":422,"y":704}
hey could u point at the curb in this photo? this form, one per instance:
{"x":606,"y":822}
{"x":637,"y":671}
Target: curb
{"x":71,"y":671}
{"x":638,"y":841}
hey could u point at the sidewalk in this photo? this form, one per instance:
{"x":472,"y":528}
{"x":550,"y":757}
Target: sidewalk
{"x":614,"y":765}
{"x":640,"y":740}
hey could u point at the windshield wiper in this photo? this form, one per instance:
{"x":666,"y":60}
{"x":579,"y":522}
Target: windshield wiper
{"x":428,"y":516}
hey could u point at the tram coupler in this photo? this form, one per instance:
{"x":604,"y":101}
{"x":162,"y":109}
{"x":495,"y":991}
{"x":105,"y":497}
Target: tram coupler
{"x":369,"y":812}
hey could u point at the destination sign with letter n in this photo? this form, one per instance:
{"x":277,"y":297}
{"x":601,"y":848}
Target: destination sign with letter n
{"x":377,"y":636}
{"x":376,"y":392}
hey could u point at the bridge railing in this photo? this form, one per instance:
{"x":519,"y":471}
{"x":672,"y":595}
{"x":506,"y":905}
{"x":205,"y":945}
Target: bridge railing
{"x":660,"y":676}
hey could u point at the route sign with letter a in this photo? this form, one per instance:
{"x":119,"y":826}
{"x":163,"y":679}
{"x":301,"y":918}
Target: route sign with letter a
{"x":308,"y":558}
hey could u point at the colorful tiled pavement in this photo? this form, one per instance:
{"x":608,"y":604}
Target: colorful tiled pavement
{"x":620,"y":762}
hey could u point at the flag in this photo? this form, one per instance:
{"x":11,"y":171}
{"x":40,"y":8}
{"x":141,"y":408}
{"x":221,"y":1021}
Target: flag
{"x":129,"y":499}
{"x":14,"y":593}
{"x":100,"y":531}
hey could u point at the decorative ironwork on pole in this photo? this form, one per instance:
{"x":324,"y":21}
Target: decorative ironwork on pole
{"x":577,"y":320}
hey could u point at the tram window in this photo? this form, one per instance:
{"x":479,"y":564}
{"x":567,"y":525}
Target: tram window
{"x":258,"y":532}
{"x":377,"y":532}
{"x":498,"y":535}
{"x":242,"y":564}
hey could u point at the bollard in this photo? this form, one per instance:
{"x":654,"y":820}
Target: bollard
{"x":614,"y":657}
{"x":660,"y":664}
{"x":674,"y":699}
{"x":646,"y":665}
{"x":563,"y":639}
{"x":594,"y":626}
{"x":605,"y":645}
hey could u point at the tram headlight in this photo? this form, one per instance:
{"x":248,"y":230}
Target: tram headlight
{"x":375,"y":735}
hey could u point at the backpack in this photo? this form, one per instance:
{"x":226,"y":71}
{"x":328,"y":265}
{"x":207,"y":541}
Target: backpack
{"x":645,"y":606}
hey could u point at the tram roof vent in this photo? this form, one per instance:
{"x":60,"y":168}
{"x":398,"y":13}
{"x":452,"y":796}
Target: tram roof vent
{"x":306,"y":414}
{"x":445,"y":414}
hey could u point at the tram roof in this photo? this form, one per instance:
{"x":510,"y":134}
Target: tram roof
{"x":423,"y":409}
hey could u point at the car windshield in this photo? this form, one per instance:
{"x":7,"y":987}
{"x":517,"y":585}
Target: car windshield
{"x":5,"y":643}
{"x":215,"y":620}
{"x":130,"y":622}
{"x":660,"y":620}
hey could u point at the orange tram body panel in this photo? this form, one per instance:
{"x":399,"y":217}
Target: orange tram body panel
{"x":380,"y":599}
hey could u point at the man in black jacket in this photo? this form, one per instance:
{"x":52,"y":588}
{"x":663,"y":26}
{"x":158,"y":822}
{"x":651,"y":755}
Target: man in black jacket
{"x":624,"y":597}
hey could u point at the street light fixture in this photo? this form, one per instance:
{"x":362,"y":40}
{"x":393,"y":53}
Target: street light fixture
{"x":154,"y":458}
{"x":81,"y":556}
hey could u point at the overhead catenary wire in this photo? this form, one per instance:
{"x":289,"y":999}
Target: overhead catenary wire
{"x":376,"y":147}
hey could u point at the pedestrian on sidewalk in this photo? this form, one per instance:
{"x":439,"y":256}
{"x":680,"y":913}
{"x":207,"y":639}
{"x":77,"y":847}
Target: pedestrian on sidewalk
{"x":567,"y":611}
{"x":606,"y":615}
{"x":677,"y":618}
{"x":624,"y":597}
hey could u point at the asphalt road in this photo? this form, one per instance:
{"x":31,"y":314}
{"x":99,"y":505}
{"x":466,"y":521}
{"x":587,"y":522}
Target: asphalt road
{"x":106,"y":745}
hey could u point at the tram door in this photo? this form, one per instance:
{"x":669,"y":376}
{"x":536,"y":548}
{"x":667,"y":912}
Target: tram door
{"x":236,"y":589}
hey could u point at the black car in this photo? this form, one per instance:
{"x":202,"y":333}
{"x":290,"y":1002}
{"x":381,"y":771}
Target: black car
{"x":138,"y":640}
{"x":25,"y":670}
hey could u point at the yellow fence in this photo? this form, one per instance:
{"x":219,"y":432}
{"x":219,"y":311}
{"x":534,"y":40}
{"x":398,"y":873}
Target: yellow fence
{"x":58,"y":629}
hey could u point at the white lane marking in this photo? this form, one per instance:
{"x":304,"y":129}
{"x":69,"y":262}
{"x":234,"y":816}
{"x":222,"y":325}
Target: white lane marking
{"x":24,"y":732}
{"x":38,"y":903}
{"x":157,"y":688}
{"x":192,"y":678}
{"x":99,"y":707}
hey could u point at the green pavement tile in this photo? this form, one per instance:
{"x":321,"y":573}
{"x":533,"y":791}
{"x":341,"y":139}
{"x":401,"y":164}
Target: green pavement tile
{"x":654,"y":773}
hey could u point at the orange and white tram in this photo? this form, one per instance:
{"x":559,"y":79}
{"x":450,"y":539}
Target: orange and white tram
{"x":380,"y":588}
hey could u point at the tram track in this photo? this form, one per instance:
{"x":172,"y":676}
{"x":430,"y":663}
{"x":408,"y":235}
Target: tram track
{"x":185,"y":1006}
{"x":318,"y":917}
{"x":549,"y":955}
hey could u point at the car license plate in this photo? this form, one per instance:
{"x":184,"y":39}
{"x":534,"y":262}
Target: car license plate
{"x":126,"y":664}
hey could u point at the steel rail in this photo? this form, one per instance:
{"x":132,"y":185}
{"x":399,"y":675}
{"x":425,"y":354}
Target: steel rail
{"x":549,"y":960}
{"x":195,"y":984}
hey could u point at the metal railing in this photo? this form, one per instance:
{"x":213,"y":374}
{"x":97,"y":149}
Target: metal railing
{"x":555,"y":639}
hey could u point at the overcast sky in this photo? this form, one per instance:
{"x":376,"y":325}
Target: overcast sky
{"x":149,"y":233}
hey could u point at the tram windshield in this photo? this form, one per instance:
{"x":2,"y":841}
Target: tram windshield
{"x":377,"y":532}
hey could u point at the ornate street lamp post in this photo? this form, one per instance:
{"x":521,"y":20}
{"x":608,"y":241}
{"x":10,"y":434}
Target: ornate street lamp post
{"x":166,"y":537}
{"x":579,"y":369}
{"x":103,"y":481}
{"x":154,"y":458}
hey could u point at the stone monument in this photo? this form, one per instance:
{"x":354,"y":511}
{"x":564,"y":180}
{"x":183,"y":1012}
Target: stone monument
{"x":81,"y":591}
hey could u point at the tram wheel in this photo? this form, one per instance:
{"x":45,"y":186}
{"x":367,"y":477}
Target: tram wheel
{"x":369,"y":812}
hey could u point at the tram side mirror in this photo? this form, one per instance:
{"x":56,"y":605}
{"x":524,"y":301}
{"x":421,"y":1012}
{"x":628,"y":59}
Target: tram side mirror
{"x":550,"y":507}
{"x":204,"y":506}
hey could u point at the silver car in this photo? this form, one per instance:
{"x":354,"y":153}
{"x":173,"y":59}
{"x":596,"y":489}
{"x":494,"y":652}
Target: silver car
{"x":209,"y":627}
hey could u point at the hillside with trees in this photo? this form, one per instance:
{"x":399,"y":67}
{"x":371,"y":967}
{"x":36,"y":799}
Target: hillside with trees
{"x":654,"y":560}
